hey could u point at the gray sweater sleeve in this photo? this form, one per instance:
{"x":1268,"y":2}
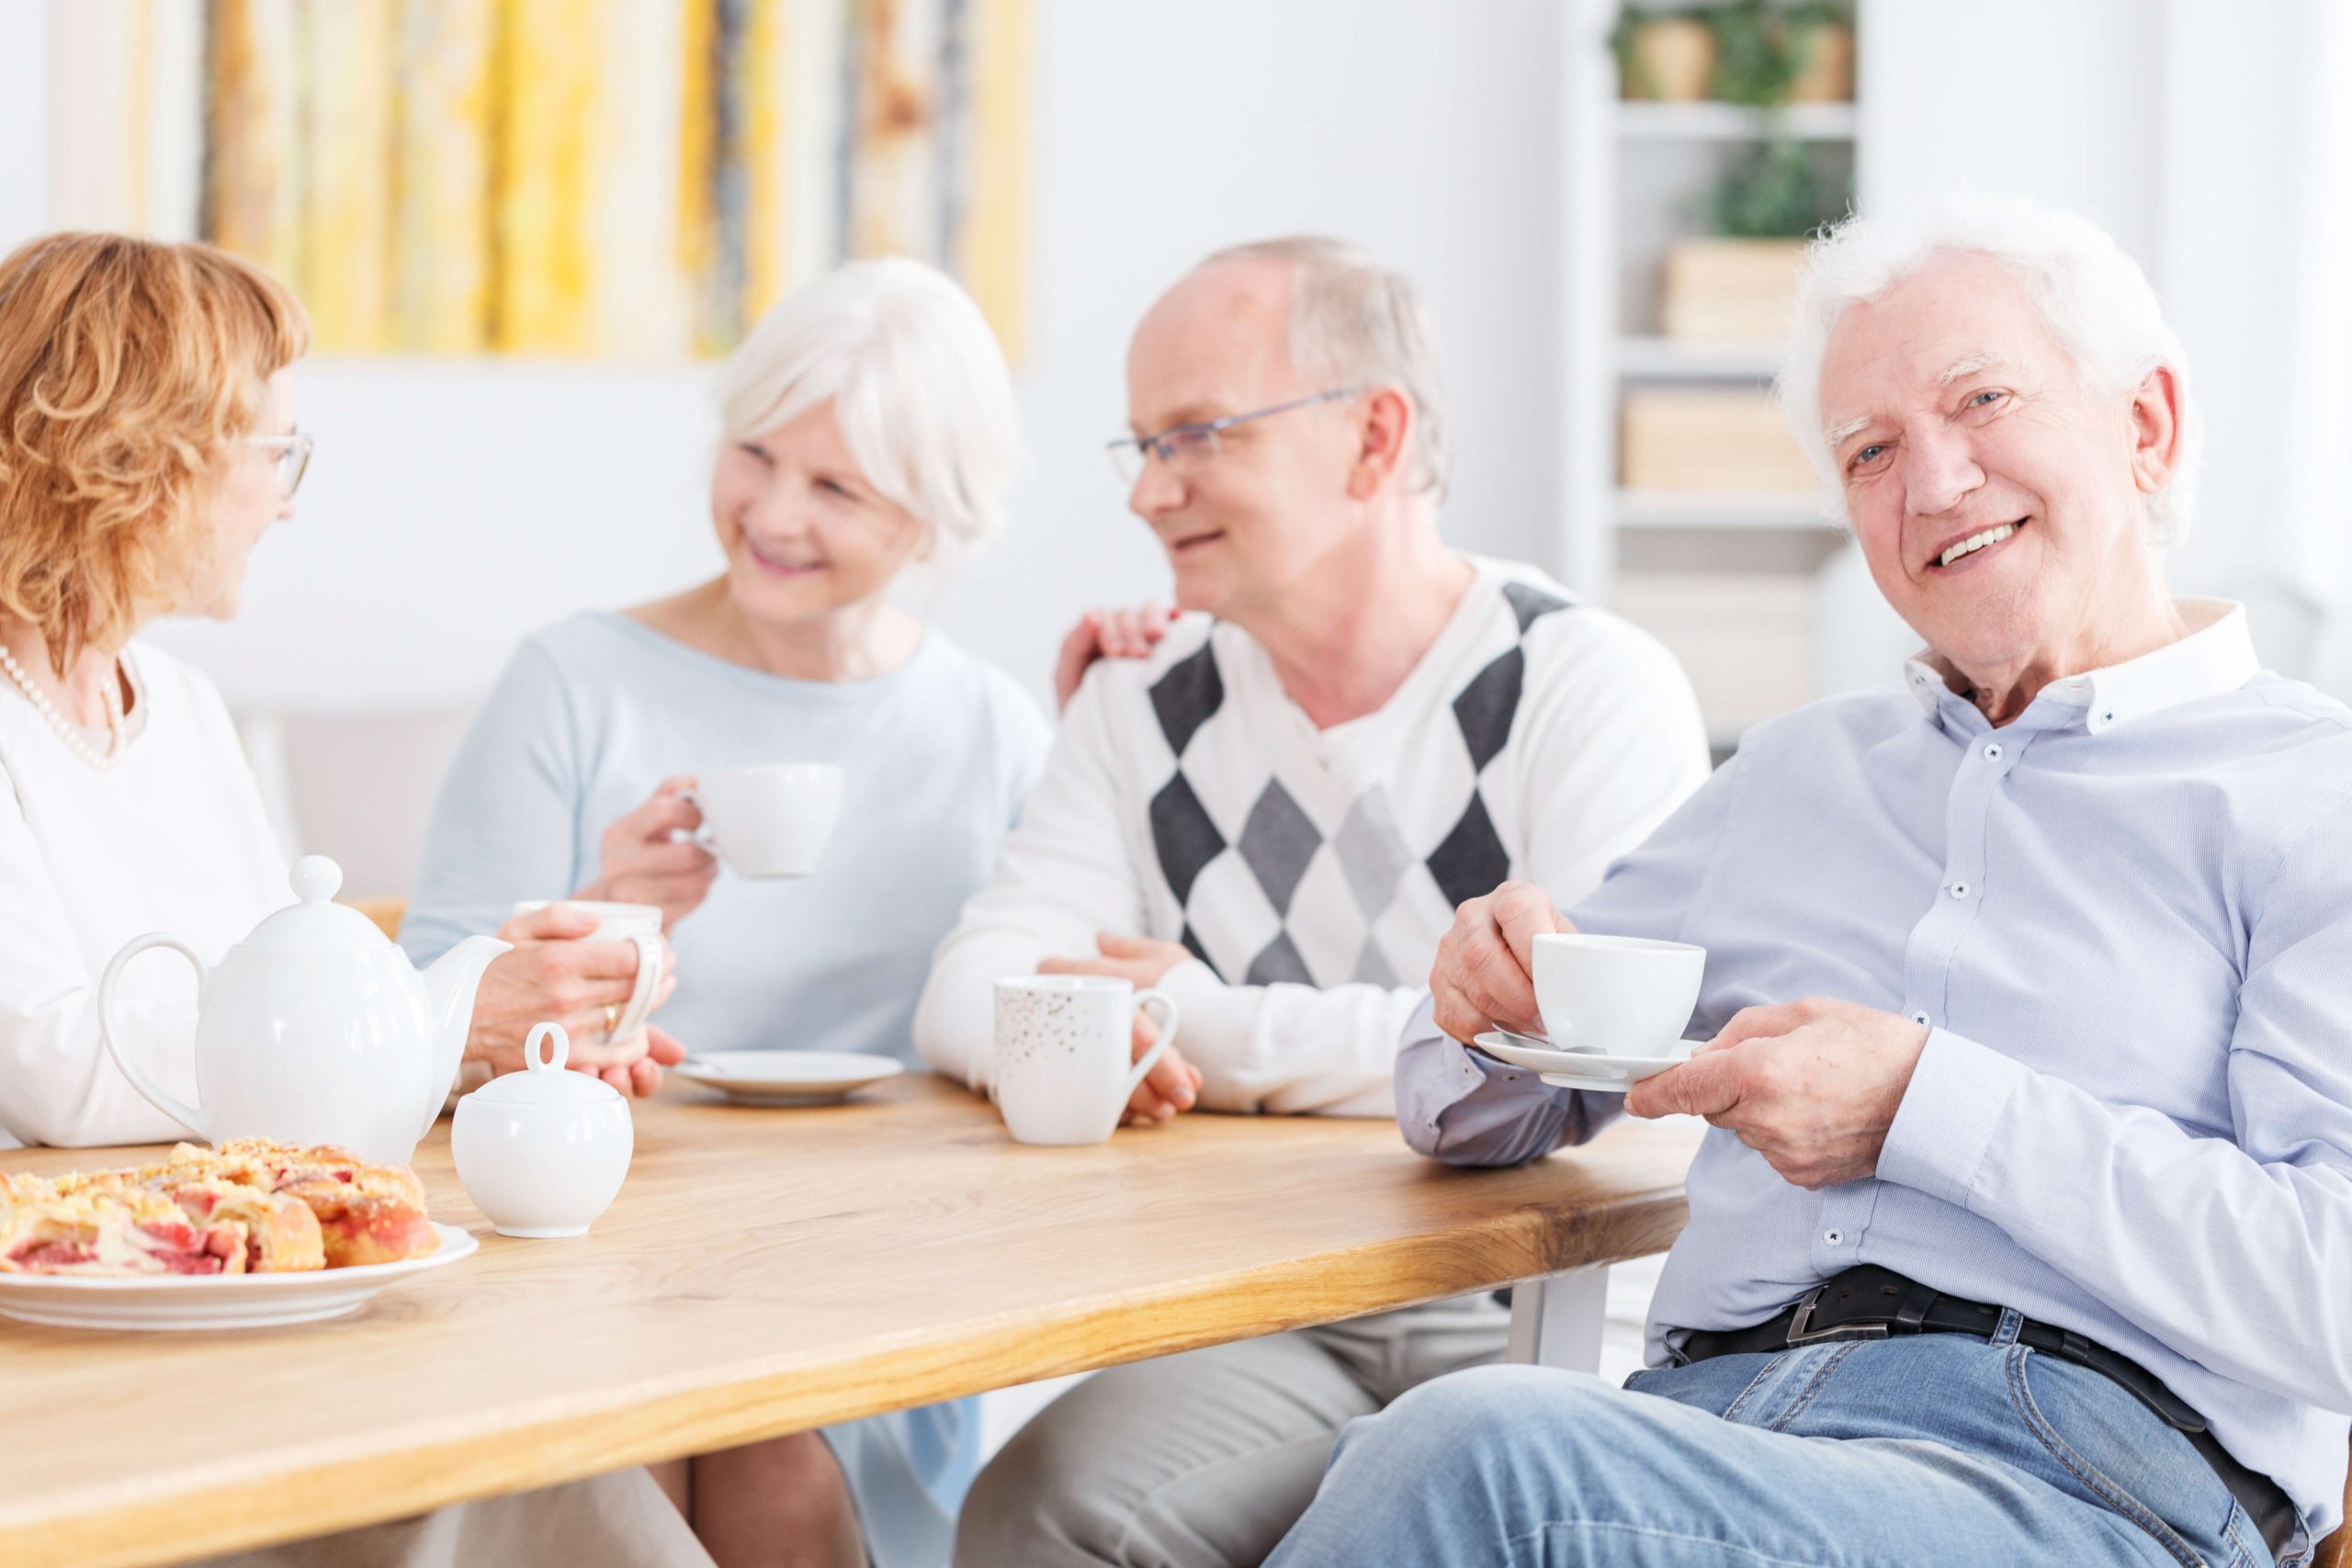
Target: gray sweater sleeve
{"x":506,"y":825}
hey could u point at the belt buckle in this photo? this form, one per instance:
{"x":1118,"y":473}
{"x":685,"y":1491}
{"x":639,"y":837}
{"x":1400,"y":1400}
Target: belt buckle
{"x":1802,"y":1332}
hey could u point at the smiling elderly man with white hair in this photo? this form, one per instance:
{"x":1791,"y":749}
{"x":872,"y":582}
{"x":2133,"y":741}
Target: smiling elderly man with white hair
{"x":2023,"y":1232}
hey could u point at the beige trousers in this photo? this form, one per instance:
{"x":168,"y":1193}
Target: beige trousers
{"x":621,"y":1520}
{"x":1205,"y":1460}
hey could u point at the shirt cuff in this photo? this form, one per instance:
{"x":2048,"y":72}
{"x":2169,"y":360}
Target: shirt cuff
{"x":1944,"y":1127}
{"x":1435,"y":1074}
{"x":1209,"y":1013}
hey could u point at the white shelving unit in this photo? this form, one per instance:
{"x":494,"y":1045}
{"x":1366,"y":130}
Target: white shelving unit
{"x":1654,"y":359}
{"x":1721,"y":509}
{"x":1636,"y":179}
{"x":1731,"y":122}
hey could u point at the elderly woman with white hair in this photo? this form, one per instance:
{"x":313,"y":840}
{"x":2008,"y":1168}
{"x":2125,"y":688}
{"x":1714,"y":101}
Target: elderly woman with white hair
{"x":2025,"y":1024}
{"x":868,"y":427}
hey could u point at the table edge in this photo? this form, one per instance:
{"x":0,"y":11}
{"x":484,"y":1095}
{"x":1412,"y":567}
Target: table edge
{"x":548,"y":1448}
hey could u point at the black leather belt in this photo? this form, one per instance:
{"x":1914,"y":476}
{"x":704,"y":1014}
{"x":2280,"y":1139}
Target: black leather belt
{"x":1870,"y":1303}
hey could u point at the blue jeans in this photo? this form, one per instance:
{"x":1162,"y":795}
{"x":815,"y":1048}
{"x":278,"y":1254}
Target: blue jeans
{"x":1893,"y":1453}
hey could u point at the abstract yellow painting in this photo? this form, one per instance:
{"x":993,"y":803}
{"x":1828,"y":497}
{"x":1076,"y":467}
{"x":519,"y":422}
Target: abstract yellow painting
{"x":630,"y":179}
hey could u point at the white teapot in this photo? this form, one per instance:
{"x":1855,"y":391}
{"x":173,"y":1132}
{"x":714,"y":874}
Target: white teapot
{"x":316,"y":1029}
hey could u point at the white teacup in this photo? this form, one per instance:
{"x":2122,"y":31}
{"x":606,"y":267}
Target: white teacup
{"x":769,"y":820}
{"x":1063,"y":1044}
{"x":639,"y":925}
{"x":1620,"y":996}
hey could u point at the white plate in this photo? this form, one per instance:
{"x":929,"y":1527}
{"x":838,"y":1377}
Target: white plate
{"x":1579,"y":1070}
{"x":213,"y":1301}
{"x":1542,"y":1043}
{"x":787,"y":1077}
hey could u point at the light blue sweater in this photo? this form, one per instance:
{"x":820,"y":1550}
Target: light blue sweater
{"x":594,"y":711}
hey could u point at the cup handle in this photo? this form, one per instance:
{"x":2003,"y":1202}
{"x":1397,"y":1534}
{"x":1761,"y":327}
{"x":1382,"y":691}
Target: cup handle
{"x":700,"y":838}
{"x":1159,"y":1047}
{"x":188,"y":1116}
{"x":649,"y":981}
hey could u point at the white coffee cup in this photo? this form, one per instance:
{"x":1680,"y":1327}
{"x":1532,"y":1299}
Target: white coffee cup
{"x":1621,"y":996}
{"x":768,"y":820}
{"x":1063,"y":1050}
{"x":639,"y":925}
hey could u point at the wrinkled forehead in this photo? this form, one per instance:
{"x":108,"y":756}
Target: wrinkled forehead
{"x":1218,"y":342}
{"x":1958,"y":318}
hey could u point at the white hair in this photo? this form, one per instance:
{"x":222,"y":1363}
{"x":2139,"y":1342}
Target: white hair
{"x":918,"y":384}
{"x":1353,"y":323}
{"x":2094,"y":300}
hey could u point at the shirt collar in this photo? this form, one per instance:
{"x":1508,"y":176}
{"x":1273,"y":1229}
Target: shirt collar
{"x":2216,"y":656}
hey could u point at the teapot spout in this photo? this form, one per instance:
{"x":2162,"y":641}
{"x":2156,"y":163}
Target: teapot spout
{"x":451,"y":982}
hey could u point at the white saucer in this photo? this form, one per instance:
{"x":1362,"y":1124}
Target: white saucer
{"x":1542,"y":1043}
{"x":213,"y":1301}
{"x":787,"y":1077}
{"x":1579,"y":1070}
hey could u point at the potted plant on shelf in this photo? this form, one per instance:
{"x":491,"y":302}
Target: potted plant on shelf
{"x":1664,"y":56}
{"x":1821,"y":41}
{"x":1768,"y":54}
{"x":1736,"y":283}
{"x":1755,"y":52}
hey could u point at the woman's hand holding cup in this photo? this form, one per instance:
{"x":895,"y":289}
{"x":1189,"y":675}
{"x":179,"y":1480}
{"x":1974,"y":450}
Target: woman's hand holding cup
{"x":558,"y":973}
{"x":650,"y":856}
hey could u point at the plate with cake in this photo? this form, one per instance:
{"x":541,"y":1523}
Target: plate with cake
{"x":247,"y":1235}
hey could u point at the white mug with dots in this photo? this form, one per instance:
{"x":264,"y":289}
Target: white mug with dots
{"x":1063,"y":1044}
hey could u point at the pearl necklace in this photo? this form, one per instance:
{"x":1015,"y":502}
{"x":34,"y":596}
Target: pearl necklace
{"x":66,"y":731}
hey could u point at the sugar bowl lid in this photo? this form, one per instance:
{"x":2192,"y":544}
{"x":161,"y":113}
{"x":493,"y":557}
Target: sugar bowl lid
{"x":544,"y":1081}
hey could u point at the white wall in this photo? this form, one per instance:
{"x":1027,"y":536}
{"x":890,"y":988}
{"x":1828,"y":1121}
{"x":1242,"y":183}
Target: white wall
{"x":23,"y":118}
{"x":452,"y":506}
{"x":2058,"y":100}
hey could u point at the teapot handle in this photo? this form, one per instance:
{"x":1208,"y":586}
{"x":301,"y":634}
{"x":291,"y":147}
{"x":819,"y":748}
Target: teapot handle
{"x":186,"y":1116}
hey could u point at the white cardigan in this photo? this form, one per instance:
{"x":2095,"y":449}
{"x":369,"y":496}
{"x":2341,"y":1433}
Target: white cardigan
{"x":173,"y":838}
{"x":1311,"y":873}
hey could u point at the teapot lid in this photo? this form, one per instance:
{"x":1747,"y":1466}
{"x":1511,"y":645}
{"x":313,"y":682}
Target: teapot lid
{"x":544,"y":1081}
{"x":316,"y":923}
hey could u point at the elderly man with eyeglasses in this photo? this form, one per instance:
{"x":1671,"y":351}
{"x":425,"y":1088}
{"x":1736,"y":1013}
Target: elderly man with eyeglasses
{"x":2024,"y":1231}
{"x":1271,"y":817}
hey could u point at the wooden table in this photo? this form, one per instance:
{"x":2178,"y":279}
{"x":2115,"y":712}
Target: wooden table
{"x":766,"y":1271}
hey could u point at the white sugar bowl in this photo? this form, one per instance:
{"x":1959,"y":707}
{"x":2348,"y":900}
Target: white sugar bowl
{"x":542,"y":1152}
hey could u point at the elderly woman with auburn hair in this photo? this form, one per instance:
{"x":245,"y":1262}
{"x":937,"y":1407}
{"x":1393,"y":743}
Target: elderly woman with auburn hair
{"x":144,"y":445}
{"x":146,"y":441}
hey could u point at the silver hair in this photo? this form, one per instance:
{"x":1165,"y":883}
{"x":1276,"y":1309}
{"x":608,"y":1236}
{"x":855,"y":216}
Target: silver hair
{"x":918,"y":384}
{"x":1353,"y":322}
{"x":2094,"y":300}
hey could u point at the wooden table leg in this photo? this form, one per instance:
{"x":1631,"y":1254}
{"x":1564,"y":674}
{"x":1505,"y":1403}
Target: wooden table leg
{"x":1556,"y":1321}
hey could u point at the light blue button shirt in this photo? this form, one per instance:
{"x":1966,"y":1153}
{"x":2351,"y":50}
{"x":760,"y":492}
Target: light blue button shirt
{"x":2126,"y":917}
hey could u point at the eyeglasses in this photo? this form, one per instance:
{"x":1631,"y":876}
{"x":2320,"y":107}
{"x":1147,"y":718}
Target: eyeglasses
{"x":1185,"y":447}
{"x":293,"y":457}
